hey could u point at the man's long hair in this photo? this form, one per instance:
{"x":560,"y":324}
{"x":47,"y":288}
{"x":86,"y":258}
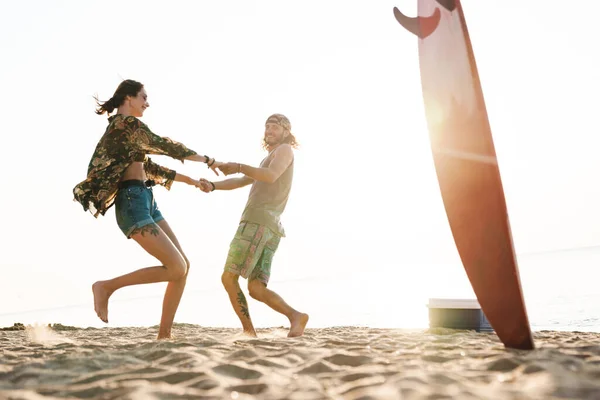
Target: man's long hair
{"x":289,"y":139}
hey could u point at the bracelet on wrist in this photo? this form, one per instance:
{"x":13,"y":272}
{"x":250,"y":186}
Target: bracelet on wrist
{"x":213,"y":186}
{"x":207,"y":158}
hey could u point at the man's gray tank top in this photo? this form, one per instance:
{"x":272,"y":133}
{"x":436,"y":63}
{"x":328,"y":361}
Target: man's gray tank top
{"x":267,"y":201}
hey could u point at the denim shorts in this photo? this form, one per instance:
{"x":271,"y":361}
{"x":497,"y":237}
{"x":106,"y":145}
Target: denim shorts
{"x":135,"y":207}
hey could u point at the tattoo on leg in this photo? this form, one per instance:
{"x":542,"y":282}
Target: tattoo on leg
{"x":243,"y":304}
{"x":151,"y":229}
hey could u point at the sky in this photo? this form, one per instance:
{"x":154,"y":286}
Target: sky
{"x":365,"y":205}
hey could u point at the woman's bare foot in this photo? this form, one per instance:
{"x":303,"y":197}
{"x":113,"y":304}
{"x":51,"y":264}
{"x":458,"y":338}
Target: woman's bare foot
{"x":297,"y":324}
{"x":101,"y":296}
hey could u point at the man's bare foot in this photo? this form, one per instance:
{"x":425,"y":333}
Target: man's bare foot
{"x":164,"y":336}
{"x":250,"y":333}
{"x":298,"y":323}
{"x":101,"y":296}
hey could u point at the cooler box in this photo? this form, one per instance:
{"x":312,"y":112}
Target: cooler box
{"x":457,"y":314}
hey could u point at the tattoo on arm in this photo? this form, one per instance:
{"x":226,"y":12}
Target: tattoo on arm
{"x":243,"y":304}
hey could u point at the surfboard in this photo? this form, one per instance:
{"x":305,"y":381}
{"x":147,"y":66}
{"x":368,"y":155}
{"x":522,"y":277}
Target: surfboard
{"x":466,"y":165}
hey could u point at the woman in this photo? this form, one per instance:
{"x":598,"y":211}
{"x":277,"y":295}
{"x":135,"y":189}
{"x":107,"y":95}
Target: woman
{"x":120,"y":173}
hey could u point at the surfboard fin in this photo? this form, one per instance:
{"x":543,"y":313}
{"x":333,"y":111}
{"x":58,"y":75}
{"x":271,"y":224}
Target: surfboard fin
{"x":420,"y":26}
{"x":449,"y":5}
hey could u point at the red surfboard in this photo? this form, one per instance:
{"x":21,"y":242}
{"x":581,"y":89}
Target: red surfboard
{"x":466,"y":165}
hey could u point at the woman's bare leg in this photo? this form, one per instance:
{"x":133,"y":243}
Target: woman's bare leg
{"x":156,"y":242}
{"x":174,"y":289}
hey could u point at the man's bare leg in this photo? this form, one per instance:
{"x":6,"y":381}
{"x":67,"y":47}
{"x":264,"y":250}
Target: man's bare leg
{"x":238,"y":301}
{"x":156,"y":243}
{"x":298,"y":320}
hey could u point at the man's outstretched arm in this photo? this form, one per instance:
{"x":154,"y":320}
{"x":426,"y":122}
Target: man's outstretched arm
{"x":282,"y":158}
{"x":227,"y":184}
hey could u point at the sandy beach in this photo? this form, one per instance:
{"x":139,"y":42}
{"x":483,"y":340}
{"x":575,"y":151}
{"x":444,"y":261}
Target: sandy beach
{"x":328,"y":363}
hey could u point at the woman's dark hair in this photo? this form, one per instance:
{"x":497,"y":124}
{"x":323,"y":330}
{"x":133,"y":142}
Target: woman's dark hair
{"x":126,"y":88}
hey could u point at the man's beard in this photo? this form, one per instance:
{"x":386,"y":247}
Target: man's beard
{"x":273,"y":141}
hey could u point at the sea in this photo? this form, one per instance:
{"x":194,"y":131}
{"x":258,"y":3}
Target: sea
{"x":561,"y":291}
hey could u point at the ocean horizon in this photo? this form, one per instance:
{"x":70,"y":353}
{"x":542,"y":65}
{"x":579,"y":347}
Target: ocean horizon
{"x":559,"y":289}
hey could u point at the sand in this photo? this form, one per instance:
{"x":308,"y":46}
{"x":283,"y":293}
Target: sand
{"x":329,"y":363}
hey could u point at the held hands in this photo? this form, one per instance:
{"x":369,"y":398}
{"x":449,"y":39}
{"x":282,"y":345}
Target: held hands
{"x":194,"y":182}
{"x":230,"y":168}
{"x":213,"y":164}
{"x":202,"y":184}
{"x":205,"y":186}
{"x":226,"y":168}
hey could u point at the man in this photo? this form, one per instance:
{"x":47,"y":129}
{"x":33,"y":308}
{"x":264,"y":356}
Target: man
{"x":258,"y":234}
